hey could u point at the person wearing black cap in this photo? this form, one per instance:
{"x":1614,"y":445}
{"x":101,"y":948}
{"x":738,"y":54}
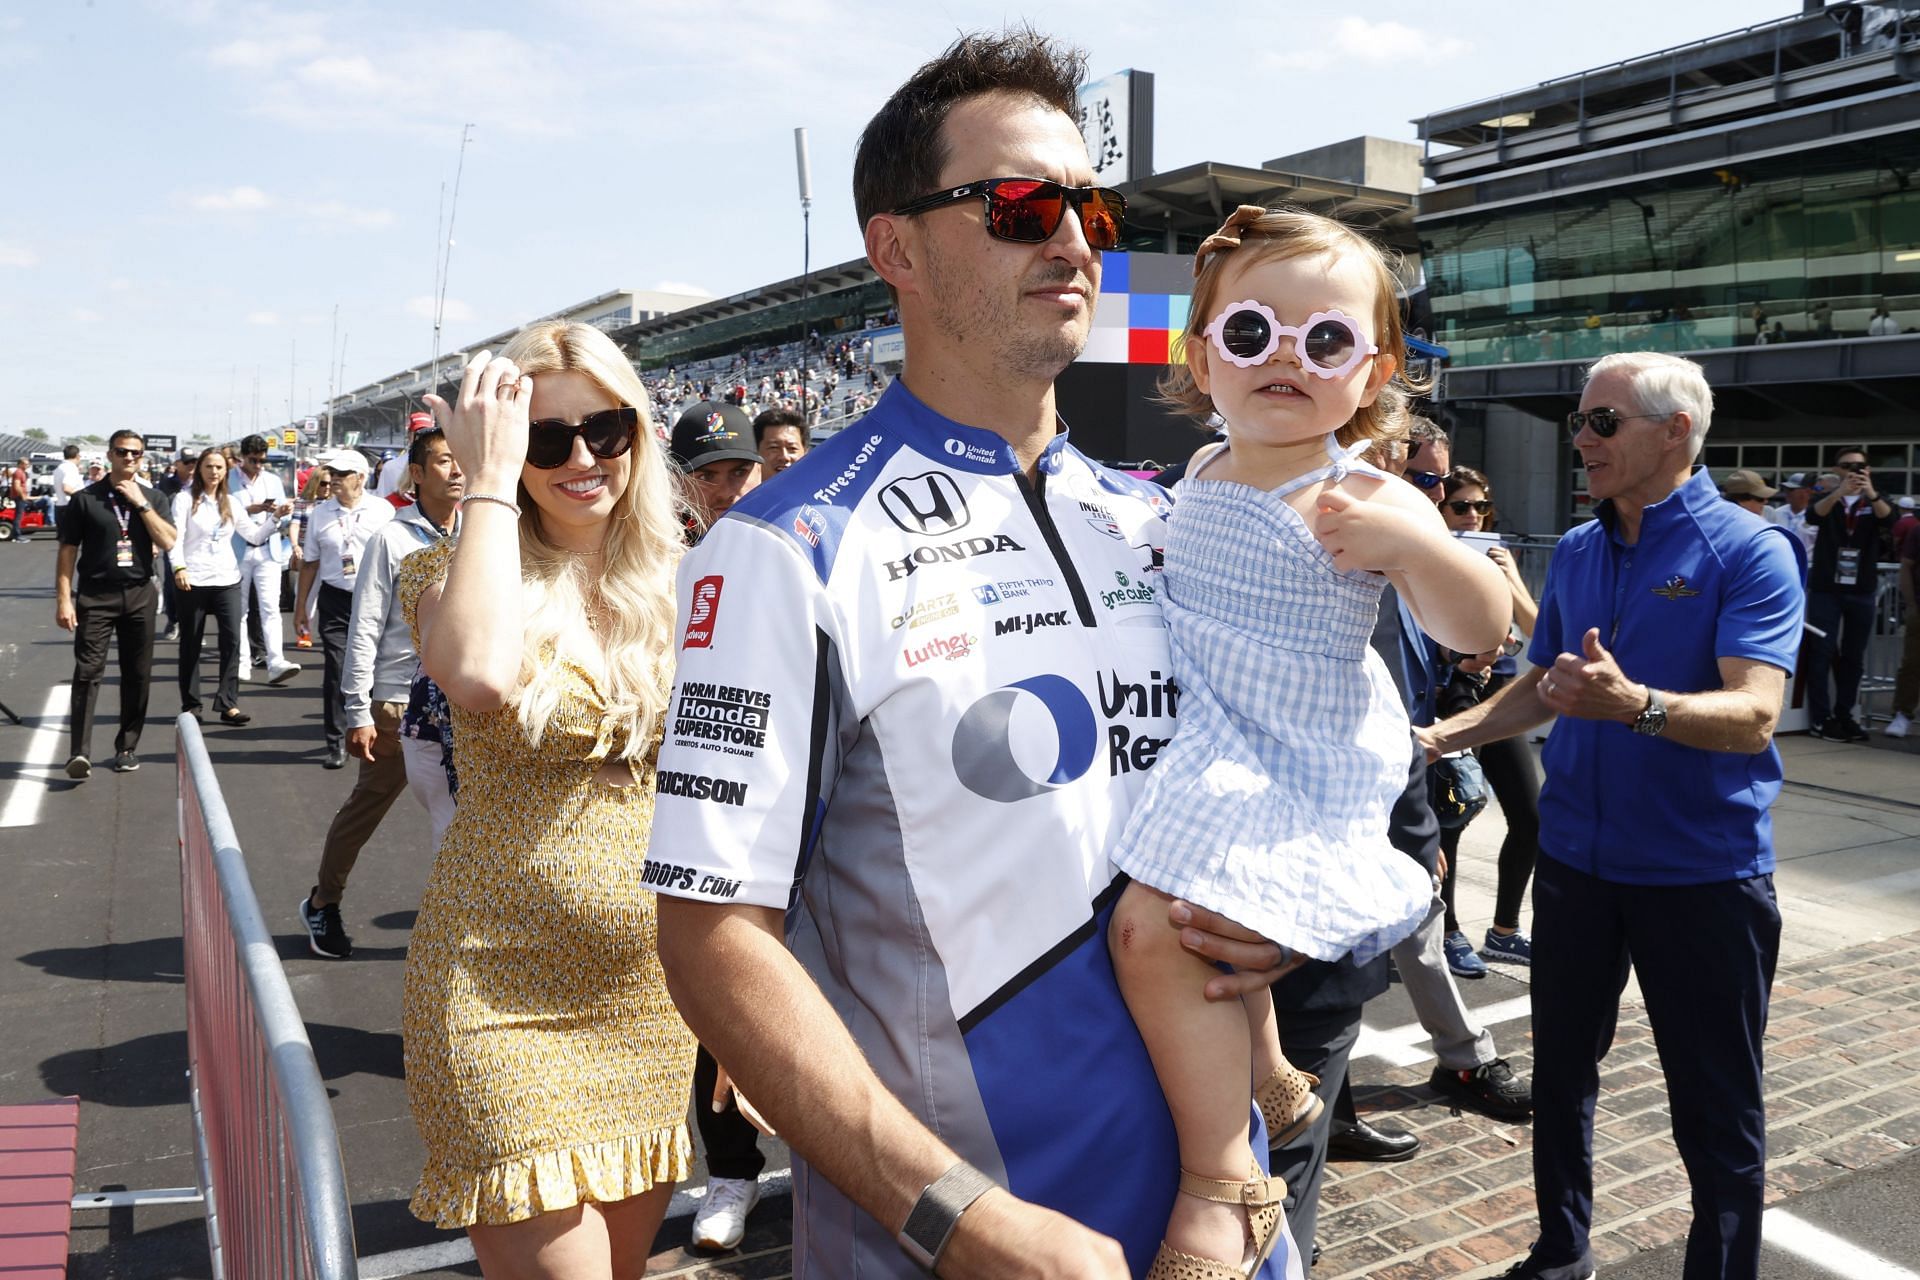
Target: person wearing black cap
{"x":713,"y":443}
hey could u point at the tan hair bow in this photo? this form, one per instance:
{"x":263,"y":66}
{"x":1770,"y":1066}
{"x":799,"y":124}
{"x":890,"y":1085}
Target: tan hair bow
{"x":1228,"y":236}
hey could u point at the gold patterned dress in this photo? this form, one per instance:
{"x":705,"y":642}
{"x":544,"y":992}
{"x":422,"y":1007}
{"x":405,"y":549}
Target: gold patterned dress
{"x":545,"y":1062}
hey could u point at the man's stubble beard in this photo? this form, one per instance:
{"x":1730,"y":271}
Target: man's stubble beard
{"x":967,"y":312}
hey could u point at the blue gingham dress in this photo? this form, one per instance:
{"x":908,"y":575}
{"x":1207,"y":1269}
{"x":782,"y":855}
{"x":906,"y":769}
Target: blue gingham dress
{"x":1270,"y":806}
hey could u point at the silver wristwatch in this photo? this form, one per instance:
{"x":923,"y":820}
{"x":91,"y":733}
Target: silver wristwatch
{"x":930,"y":1225}
{"x":1652,"y":721}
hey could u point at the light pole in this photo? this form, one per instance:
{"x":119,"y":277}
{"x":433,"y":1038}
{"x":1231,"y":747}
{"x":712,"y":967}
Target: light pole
{"x":806,"y":257}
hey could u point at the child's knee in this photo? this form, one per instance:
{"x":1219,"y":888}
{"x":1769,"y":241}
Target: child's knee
{"x":1139,"y":932}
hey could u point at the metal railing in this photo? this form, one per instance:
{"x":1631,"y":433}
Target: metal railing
{"x":269,"y":1156}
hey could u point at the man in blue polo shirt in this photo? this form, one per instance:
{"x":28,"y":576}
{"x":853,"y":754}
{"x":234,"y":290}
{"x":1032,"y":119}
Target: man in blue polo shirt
{"x":1666,"y":632}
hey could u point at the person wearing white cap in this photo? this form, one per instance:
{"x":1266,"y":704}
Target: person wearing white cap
{"x":331,"y":550}
{"x":1793,"y":516}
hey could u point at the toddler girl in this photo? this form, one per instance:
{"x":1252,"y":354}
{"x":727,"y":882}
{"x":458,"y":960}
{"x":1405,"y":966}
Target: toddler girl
{"x":1270,"y":806}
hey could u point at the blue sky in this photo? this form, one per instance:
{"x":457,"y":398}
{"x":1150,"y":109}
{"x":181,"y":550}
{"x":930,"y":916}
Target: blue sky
{"x":195,"y":185}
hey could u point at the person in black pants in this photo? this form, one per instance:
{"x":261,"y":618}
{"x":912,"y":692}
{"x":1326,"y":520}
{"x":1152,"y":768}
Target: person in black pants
{"x":1466,"y":504}
{"x":334,"y":543}
{"x":206,"y":578}
{"x":1841,"y":583}
{"x":110,"y":533}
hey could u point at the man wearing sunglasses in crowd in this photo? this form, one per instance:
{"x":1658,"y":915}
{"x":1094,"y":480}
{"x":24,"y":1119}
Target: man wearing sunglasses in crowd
{"x":110,"y":533}
{"x":334,"y":547}
{"x":1843,"y":582}
{"x":921,"y":679}
{"x":1666,"y":632}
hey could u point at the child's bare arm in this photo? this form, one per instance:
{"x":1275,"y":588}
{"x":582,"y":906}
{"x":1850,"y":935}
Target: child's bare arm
{"x":1458,"y":596}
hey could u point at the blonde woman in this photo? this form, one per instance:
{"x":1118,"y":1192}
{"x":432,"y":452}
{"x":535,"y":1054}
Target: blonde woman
{"x":546,"y":1067}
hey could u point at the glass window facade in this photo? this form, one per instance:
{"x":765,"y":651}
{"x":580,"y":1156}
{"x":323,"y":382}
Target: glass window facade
{"x":1896,"y":464}
{"x":1791,"y":248}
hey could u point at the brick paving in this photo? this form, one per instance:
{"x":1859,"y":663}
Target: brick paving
{"x":1843,"y":1093}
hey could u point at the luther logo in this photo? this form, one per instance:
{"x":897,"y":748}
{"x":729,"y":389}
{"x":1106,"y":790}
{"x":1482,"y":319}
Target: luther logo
{"x":929,"y":505}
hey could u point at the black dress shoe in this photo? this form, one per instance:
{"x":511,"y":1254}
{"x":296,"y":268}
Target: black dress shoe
{"x":336,"y":758}
{"x":1361,"y":1141}
{"x":234,"y":716}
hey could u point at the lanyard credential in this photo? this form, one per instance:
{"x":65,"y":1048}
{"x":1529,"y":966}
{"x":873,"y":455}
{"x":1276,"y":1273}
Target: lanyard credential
{"x":123,"y":549}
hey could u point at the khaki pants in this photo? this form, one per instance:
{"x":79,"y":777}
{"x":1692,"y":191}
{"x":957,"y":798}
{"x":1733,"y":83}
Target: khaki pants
{"x":374,"y":792}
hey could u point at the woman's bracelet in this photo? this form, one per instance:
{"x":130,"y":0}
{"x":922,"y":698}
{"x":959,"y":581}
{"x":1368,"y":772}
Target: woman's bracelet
{"x":508,"y":503}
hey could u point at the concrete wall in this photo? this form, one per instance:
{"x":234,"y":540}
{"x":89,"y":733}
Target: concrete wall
{"x":1369,"y":162}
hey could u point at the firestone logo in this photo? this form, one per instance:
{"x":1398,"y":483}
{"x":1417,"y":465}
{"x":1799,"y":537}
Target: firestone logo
{"x":704,"y":613}
{"x":827,"y":491}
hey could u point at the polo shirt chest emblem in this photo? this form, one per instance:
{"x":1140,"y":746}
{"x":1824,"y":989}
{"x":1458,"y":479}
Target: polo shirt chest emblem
{"x":1674,"y":588}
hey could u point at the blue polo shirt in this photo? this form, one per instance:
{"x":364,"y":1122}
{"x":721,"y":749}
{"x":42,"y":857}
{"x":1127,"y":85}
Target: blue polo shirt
{"x":1705,"y":581}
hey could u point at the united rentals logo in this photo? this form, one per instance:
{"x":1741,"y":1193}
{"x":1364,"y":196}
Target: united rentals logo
{"x":930,"y":505}
{"x":1674,"y":588}
{"x":986,"y":763}
{"x":948,"y":552}
{"x":704,"y":613}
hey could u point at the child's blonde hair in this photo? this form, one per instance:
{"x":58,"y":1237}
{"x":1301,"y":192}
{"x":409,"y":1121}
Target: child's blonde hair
{"x":1253,"y":235}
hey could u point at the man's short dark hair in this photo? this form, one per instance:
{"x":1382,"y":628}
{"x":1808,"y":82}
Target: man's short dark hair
{"x":902,"y":150}
{"x":1846,"y":449}
{"x":71,"y":451}
{"x":124,"y":433}
{"x":417,"y":447}
{"x":253,"y":444}
{"x":780,"y":418}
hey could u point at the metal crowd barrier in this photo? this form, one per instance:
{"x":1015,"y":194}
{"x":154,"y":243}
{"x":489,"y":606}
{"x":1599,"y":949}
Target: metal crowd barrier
{"x":269,"y":1156}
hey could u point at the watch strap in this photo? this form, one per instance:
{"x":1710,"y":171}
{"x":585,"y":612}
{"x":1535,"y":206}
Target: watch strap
{"x":937,"y":1212}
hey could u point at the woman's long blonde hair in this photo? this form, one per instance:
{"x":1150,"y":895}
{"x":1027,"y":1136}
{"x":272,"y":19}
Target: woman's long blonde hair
{"x":633,"y":576}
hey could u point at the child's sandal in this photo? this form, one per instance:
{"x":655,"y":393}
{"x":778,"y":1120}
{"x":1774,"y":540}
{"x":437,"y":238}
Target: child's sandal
{"x":1288,"y":1103}
{"x":1260,"y":1196}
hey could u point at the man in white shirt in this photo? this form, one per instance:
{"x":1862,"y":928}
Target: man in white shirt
{"x":375,"y":684}
{"x":263,"y":496}
{"x":67,"y":479}
{"x":1793,"y":516}
{"x":332,"y":551}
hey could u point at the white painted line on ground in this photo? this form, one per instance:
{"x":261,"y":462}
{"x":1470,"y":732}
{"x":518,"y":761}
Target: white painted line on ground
{"x":1831,"y":1253}
{"x":453,"y":1253}
{"x":1409,"y":1045}
{"x":43,"y":748}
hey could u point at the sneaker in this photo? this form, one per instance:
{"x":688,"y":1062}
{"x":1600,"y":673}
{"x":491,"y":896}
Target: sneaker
{"x":284,"y":672}
{"x":1528,"y":1269}
{"x":1514,"y":948}
{"x":1829,"y":730}
{"x":1491,"y":1088}
{"x":79,"y":768}
{"x":244,"y":675}
{"x":125,"y":762}
{"x":171,"y":635}
{"x":1897,"y":727}
{"x":721,"y":1222}
{"x":325,"y":934}
{"x":1850,"y":730}
{"x":1460,"y":957}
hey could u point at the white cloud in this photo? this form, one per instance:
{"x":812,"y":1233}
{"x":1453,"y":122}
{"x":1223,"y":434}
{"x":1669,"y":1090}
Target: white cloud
{"x":262,"y":318}
{"x":457,"y":312}
{"x":232,"y":200}
{"x":85,"y":315}
{"x":14,"y":254}
{"x":1356,"y":39}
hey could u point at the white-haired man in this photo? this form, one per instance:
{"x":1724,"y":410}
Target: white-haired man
{"x":1667,"y":629}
